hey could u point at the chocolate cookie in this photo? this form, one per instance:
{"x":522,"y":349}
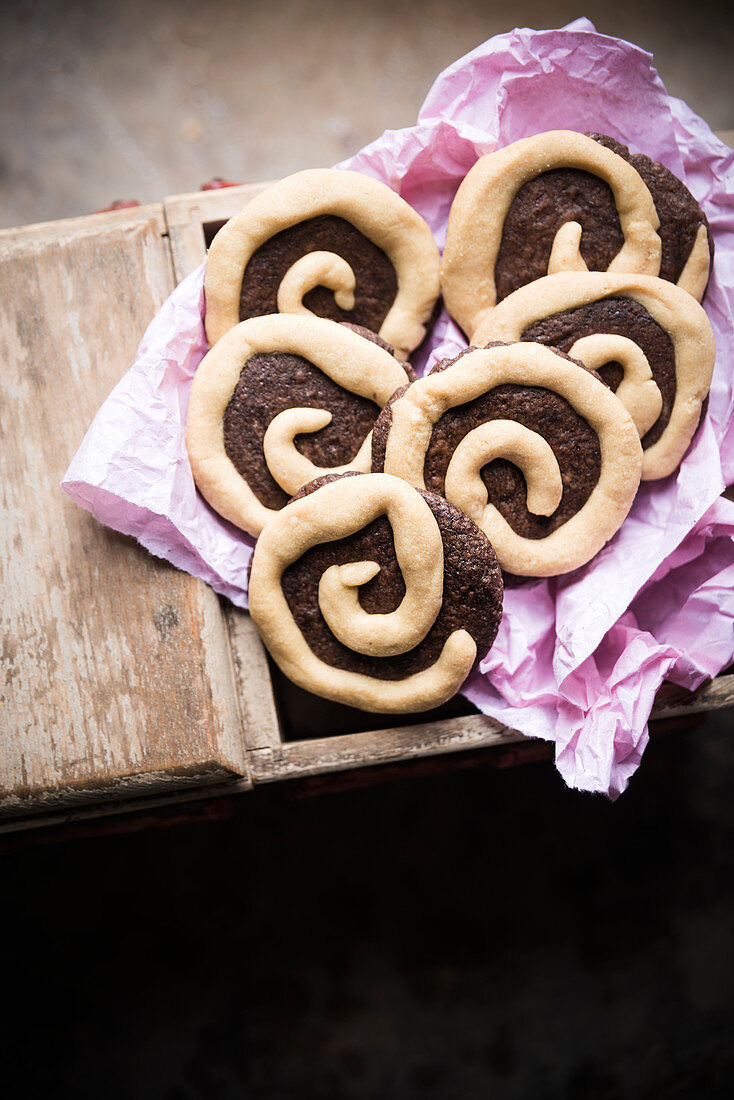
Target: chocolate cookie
{"x":687,"y":246}
{"x":332,"y":243}
{"x":553,"y":202}
{"x":650,"y":341}
{"x":278,"y":401}
{"x":531,"y":445}
{"x":369,"y":593}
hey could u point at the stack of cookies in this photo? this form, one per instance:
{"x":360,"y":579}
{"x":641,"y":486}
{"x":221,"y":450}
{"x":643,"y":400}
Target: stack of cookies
{"x":388,"y":509}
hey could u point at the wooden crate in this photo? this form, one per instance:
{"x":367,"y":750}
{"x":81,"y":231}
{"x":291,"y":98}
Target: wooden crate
{"x":129,"y":684}
{"x":117,"y":667}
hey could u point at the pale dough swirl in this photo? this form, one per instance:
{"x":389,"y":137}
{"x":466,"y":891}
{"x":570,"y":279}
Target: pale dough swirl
{"x":420,"y":408}
{"x":334,"y":511}
{"x":316,"y":269}
{"x":672,"y":308}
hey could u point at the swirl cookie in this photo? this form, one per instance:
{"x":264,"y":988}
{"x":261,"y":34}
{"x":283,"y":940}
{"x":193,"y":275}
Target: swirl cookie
{"x":648,"y":339}
{"x":532,"y":446}
{"x":556,"y":201}
{"x":369,"y":593}
{"x":279,"y":401}
{"x":333,"y":243}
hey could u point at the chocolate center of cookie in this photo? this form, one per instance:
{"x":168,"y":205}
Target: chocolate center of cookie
{"x":539,"y":209}
{"x":472,"y":593}
{"x":376,"y":283}
{"x":621,"y":317}
{"x":573,"y":441}
{"x":267,"y":386}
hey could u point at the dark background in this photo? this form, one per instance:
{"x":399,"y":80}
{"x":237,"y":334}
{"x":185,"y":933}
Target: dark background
{"x":478,"y":933}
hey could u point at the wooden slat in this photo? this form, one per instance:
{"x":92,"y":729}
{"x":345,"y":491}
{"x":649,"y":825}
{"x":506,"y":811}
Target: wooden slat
{"x":257,"y":705}
{"x":66,"y":228}
{"x":186,"y":216}
{"x":380,"y":746}
{"x":118,"y":676}
{"x":131,"y":803}
{"x":672,"y":701}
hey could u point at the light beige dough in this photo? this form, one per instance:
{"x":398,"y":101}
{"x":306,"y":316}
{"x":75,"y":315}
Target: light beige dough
{"x":677,"y":313}
{"x":357,"y":364}
{"x":695,"y":275}
{"x":415,"y":414}
{"x":335,"y":511}
{"x":372,"y":208}
{"x":484,"y":198}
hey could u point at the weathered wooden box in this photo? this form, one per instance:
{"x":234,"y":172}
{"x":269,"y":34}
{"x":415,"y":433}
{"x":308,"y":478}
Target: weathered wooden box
{"x":126,"y":682}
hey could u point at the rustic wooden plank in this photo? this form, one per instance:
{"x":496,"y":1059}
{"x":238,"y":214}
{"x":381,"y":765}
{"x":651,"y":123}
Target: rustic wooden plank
{"x":257,"y":704}
{"x":186,"y":216}
{"x":117,"y":667}
{"x":378,"y":746}
{"x":45,"y":232}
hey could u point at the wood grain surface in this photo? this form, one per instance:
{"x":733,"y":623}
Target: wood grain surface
{"x":117,"y":669}
{"x":192,"y":219}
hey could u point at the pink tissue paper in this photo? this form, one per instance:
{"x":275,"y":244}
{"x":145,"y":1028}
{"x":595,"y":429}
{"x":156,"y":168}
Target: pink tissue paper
{"x":578,"y":659}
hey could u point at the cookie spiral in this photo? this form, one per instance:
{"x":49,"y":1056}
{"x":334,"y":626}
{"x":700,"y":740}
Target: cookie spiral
{"x":535,"y":448}
{"x":333,"y":243}
{"x":502,"y":235}
{"x":649,"y":339}
{"x":279,"y":401}
{"x":369,"y":593}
